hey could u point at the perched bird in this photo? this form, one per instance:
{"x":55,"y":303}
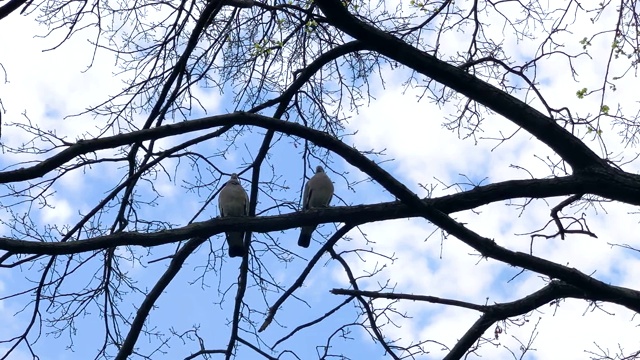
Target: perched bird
{"x":233,"y":201}
{"x":317,"y":194}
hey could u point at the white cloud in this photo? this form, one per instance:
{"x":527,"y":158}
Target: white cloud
{"x":50,"y":85}
{"x":411,"y":133}
{"x":59,"y":212}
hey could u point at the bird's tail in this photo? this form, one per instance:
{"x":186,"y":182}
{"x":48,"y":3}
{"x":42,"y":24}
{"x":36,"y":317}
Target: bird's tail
{"x":305,"y":236}
{"x":236,"y":244}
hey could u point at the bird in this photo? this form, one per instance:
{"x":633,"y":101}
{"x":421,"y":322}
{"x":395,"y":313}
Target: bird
{"x":318,"y":192}
{"x":233,"y":201}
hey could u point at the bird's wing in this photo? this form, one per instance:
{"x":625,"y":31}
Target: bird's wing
{"x":246,"y":202}
{"x":232,"y":200}
{"x":320,"y":190}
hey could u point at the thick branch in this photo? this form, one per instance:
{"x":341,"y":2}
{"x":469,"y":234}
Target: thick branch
{"x":353,"y":214}
{"x":555,"y":290}
{"x":491,"y":313}
{"x":10,"y":7}
{"x":606,"y":182}
{"x":570,"y":148}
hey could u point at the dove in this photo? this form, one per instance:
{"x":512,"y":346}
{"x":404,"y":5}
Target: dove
{"x":233,"y":201}
{"x":318,"y":192}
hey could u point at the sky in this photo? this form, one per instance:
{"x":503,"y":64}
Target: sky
{"x":47,"y":86}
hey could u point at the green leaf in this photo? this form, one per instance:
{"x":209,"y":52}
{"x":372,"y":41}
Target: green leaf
{"x":580,"y":93}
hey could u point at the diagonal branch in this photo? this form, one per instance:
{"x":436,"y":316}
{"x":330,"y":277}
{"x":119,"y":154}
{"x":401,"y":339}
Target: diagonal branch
{"x":570,"y":148}
{"x":368,"y":310}
{"x":145,"y":308}
{"x":313,"y":322}
{"x":303,"y":275}
{"x":554,"y":290}
{"x":10,"y":7}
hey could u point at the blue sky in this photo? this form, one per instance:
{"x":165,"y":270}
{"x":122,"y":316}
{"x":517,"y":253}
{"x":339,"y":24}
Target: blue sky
{"x":49,"y":85}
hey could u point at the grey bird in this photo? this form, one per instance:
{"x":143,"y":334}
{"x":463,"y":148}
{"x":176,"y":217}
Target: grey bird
{"x":233,"y":201}
{"x":317,"y":194}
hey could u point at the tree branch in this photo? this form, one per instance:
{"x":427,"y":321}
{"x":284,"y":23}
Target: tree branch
{"x":357,"y":215}
{"x":606,"y":182}
{"x":554,"y":290}
{"x":303,"y":275}
{"x":141,"y":315}
{"x":570,"y":148}
{"x":10,"y":7}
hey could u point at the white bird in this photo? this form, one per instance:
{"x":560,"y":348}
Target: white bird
{"x":233,"y":201}
{"x":317,"y":194}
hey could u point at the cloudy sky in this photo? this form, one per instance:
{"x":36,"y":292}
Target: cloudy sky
{"x":47,"y":86}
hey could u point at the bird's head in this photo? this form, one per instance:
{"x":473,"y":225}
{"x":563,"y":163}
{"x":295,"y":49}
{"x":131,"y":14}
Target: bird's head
{"x":234,"y":179}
